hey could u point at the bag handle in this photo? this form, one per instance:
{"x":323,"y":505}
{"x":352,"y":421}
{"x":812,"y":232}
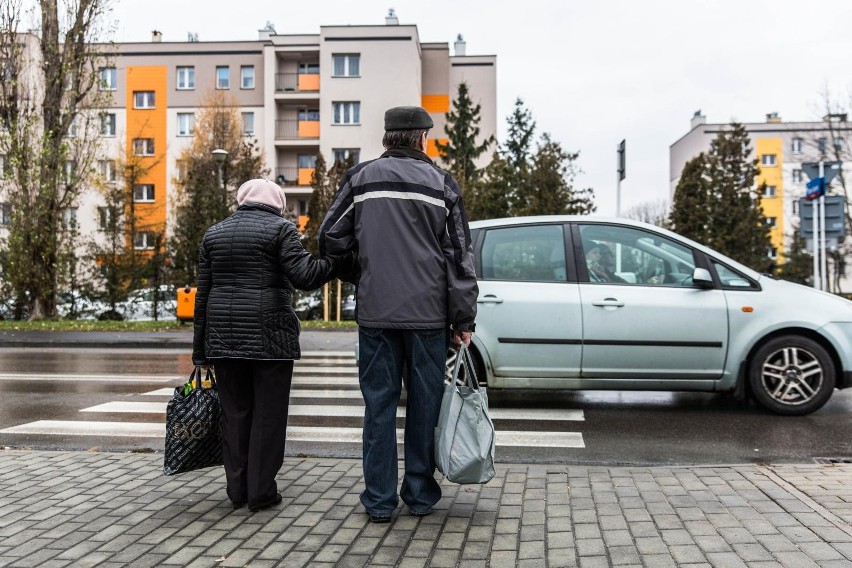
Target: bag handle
{"x":196,"y":376}
{"x":463,"y":358}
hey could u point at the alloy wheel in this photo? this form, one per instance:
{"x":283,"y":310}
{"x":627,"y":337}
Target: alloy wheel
{"x":792,"y":375}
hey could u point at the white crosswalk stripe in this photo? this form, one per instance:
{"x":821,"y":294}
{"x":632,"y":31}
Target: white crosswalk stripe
{"x":325,"y":388}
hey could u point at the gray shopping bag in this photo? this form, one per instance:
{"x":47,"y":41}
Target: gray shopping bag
{"x":464,"y":437}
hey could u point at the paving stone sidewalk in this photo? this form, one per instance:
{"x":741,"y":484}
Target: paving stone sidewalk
{"x":107,"y":509}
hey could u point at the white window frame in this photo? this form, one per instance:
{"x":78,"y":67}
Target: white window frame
{"x":772,"y":222}
{"x":347,"y":58}
{"x":245,"y":75}
{"x":769,"y":160}
{"x":345,"y":154}
{"x":109,"y":78}
{"x":343,"y":113}
{"x":770,"y":191}
{"x":5,"y":213}
{"x":798,"y":176}
{"x":143,"y":100}
{"x":69,"y":218}
{"x":227,"y":82}
{"x":839,"y":144}
{"x":143,"y":193}
{"x":185,"y":123}
{"x":248,"y":123}
{"x":104,"y":218}
{"x":145,"y":144}
{"x":772,"y":253}
{"x":797,"y":145}
{"x":108,"y":119}
{"x":108,"y":170}
{"x":185,"y":78}
{"x":143,"y":244}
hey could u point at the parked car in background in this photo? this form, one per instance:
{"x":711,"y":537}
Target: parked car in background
{"x":308,"y":305}
{"x":589,"y":303}
{"x":139,"y":306}
{"x":347,"y":307}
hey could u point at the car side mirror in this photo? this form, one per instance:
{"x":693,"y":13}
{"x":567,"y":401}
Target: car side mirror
{"x":701,"y":278}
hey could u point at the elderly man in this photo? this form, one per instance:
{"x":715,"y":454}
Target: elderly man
{"x":416,"y":287}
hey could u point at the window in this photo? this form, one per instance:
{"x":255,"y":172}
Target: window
{"x":143,"y":99}
{"x":107,"y":170}
{"x":3,"y":165}
{"x":143,"y":146}
{"x":69,"y":218}
{"x":185,"y":123}
{"x":622,"y":255}
{"x":303,"y":207}
{"x":768,"y":160}
{"x":821,"y":145}
{"x":105,"y":218}
{"x":180,"y":170}
{"x":839,"y":144}
{"x":247,"y":77}
{"x":185,"y":78}
{"x":343,"y":154}
{"x":108,"y":78}
{"x":248,"y":123}
{"x":309,"y":114}
{"x":795,"y":207}
{"x":223,"y":77}
{"x":772,"y":253}
{"x":770,"y":191}
{"x":346,"y":113}
{"x":530,"y":254}
{"x":143,"y":193}
{"x":730,"y":278}
{"x":797,"y":145}
{"x":70,"y":171}
{"x":74,"y":127}
{"x":308,"y":68}
{"x":797,"y":176}
{"x":346,"y":65}
{"x":144,"y":240}
{"x":108,"y":124}
{"x":5,"y":214}
{"x":307,"y":161}
{"x":772,"y":222}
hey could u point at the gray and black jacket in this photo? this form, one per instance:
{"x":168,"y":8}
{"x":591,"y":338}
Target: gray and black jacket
{"x":405,"y":218}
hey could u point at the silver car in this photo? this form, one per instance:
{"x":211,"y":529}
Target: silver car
{"x":592,"y":303}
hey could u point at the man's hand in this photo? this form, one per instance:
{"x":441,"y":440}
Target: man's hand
{"x":207,"y":367}
{"x":460,"y":337}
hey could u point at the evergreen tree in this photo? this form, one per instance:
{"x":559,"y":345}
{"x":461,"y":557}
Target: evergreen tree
{"x":200,"y":200}
{"x":798,"y":263}
{"x":738,"y":226}
{"x":462,"y":150}
{"x":325,"y":183}
{"x":517,"y":153}
{"x":550,"y":189}
{"x":691,"y":215}
{"x":491,"y":196}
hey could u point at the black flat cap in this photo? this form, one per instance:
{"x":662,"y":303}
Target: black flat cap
{"x":407,"y":118}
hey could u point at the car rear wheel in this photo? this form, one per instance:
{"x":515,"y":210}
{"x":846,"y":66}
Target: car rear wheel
{"x":452,"y":355}
{"x":792,"y":375}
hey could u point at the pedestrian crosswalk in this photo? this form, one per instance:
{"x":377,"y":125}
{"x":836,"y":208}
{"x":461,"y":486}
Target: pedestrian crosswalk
{"x":325,"y":407}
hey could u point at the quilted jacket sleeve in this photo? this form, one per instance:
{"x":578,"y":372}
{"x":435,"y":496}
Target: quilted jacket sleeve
{"x":205,"y":281}
{"x":303,"y":270}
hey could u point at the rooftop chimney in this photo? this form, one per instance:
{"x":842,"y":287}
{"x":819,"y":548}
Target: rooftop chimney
{"x":391,"y":19}
{"x":459,"y":46}
{"x":156,"y":36}
{"x":697,"y":119}
{"x":773,"y":118}
{"x":267,"y":31}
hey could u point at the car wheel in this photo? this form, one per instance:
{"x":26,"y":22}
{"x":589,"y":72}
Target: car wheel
{"x":792,"y":375}
{"x":452,"y":355}
{"x":110,"y":315}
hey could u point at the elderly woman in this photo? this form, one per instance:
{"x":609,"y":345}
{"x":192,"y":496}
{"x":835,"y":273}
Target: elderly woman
{"x":245,"y":327}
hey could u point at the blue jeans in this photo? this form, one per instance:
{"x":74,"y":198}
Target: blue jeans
{"x":386,"y":358}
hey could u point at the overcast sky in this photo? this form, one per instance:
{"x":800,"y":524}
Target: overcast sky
{"x":592,"y":72}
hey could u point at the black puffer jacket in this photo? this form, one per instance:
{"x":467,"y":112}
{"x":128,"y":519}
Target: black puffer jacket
{"x":248,"y":266}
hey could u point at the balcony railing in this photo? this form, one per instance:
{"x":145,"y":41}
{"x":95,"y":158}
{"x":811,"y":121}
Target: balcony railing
{"x":292,"y":176}
{"x":291,"y":129}
{"x":296,"y":82}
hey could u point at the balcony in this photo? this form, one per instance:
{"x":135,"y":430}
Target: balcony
{"x":296,"y":83}
{"x":293,"y":176}
{"x":292,"y":129}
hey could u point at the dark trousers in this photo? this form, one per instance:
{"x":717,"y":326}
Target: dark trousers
{"x":255,"y":396}
{"x":386,"y":358}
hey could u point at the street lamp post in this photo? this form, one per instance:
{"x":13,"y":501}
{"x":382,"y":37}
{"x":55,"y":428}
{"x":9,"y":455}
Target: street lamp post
{"x":220,"y":156}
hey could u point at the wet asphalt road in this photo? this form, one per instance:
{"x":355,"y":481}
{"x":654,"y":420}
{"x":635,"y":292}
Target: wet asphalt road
{"x":648,"y":428}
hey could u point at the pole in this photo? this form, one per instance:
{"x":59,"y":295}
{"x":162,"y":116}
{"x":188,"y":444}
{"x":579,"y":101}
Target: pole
{"x":817,"y":226}
{"x":338,"y":300}
{"x":325,"y":306}
{"x":618,"y":196}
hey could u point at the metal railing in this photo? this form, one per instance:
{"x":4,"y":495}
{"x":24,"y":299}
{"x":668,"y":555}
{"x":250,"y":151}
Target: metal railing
{"x":290,"y":82}
{"x":292,"y":129}
{"x":287,"y":176}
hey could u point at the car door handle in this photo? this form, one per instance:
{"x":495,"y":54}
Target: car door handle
{"x":609,"y":303}
{"x":489,"y":299}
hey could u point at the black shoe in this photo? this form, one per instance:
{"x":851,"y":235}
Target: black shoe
{"x":275,"y":501}
{"x":380,"y":518}
{"x":422,"y":513}
{"x":238,"y":504}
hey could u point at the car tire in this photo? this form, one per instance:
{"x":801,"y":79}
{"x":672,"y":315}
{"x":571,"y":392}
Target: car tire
{"x":481,"y":378}
{"x":110,"y":315}
{"x":792,"y":375}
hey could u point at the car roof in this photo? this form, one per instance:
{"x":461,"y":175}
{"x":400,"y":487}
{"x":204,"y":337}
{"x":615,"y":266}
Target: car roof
{"x":510,"y":221}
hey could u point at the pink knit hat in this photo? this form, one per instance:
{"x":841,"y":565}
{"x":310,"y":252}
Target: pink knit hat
{"x":262,"y":191}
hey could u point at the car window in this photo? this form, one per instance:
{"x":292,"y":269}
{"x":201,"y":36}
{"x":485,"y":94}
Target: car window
{"x":624,"y":255}
{"x":730,"y":278}
{"x":529,"y":253}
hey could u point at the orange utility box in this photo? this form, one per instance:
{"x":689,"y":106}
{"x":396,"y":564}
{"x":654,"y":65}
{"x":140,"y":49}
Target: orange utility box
{"x":186,"y":303}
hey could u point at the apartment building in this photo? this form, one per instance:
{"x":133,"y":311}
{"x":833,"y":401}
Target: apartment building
{"x":298,"y":95}
{"x":780,"y":148}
